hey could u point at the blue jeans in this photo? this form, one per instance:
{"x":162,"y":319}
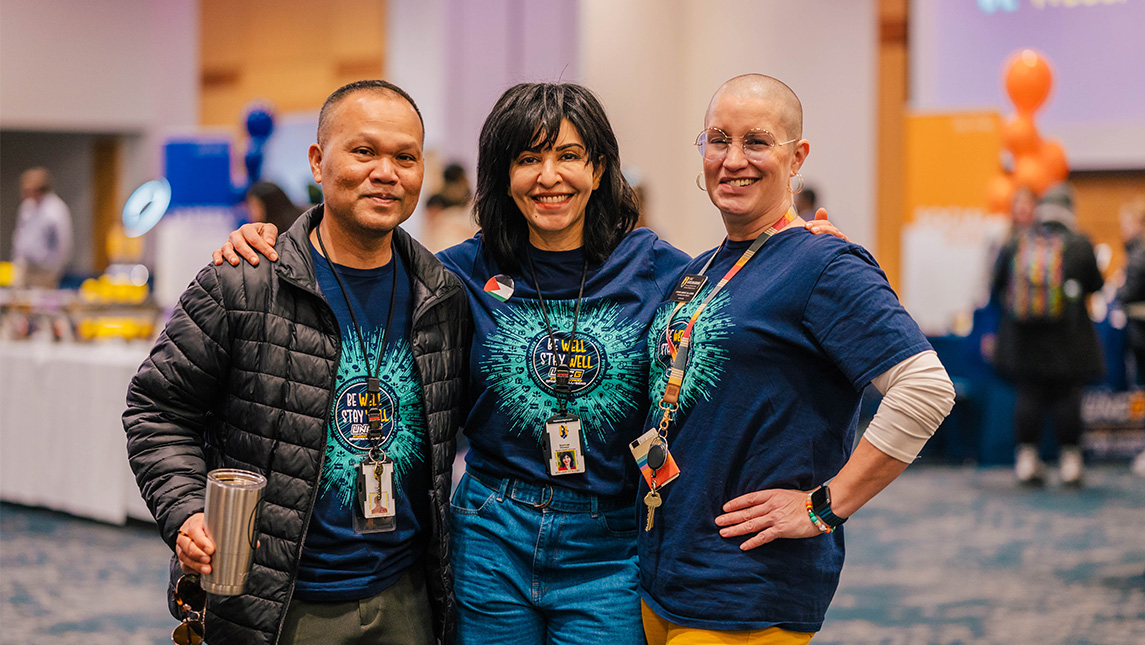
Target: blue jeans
{"x":537,"y":564}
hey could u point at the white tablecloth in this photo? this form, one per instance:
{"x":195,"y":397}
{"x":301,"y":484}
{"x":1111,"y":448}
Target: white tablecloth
{"x":62,"y":444}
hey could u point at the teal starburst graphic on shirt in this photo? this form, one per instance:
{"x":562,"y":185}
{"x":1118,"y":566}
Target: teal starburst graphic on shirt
{"x":404,"y":428}
{"x":705,"y":360}
{"x":606,"y":364}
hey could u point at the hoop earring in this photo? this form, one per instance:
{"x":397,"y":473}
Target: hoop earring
{"x":699,"y":182}
{"x":796,"y":191}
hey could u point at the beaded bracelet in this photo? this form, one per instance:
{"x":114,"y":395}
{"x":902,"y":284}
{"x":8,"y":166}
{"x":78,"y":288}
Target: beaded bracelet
{"x":819,"y":524}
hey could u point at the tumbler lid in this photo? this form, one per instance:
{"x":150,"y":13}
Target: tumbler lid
{"x":236,"y":478}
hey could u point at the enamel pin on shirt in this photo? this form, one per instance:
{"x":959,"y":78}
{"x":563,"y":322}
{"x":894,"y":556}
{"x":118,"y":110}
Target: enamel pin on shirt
{"x":500,"y":287}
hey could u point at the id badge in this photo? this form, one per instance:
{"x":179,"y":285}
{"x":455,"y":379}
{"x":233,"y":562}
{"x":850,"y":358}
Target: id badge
{"x":640,"y":447}
{"x":376,"y":506}
{"x":689,"y":286}
{"x":564,"y":444}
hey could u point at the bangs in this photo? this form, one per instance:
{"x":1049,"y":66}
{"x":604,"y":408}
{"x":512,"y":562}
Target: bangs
{"x":533,"y":123}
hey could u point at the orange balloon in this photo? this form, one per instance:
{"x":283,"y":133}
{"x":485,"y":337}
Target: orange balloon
{"x":1028,"y":80}
{"x":1000,"y":193}
{"x":1053,"y":158}
{"x":1030,"y":172}
{"x":1021,"y":135}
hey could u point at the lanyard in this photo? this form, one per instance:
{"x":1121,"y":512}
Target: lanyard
{"x":669,"y":402}
{"x":562,"y":385}
{"x":373,"y":377}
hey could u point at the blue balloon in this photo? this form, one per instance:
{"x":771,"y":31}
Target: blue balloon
{"x":259,"y":123}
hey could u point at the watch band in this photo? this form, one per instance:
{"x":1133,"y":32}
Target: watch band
{"x":821,"y":505}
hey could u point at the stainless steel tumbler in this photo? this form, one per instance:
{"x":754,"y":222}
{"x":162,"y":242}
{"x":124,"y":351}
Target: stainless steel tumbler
{"x":231,"y":516}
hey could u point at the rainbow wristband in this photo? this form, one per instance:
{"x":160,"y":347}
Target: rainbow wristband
{"x":819,"y":524}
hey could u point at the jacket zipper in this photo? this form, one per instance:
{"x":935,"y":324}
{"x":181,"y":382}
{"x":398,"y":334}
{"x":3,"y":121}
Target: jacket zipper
{"x":322,"y":452}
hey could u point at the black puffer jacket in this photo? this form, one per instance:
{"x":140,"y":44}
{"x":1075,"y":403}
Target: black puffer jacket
{"x":243,"y":377}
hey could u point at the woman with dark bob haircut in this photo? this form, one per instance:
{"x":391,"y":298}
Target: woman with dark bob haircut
{"x":522,"y":114}
{"x":562,"y":292}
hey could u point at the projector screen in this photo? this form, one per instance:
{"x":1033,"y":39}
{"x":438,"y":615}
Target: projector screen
{"x":1097,"y":105}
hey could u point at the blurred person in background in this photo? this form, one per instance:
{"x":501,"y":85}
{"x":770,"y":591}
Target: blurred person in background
{"x":267,"y":202}
{"x":806,"y":202}
{"x":756,"y":382}
{"x":1021,"y":219}
{"x":455,"y":188}
{"x":1132,"y":293}
{"x":42,"y":243}
{"x":1022,"y":211}
{"x":1046,"y":342}
{"x":446,"y":224}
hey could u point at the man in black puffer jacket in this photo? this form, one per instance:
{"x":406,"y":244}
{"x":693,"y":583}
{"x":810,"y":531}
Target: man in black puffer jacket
{"x":348,"y":349}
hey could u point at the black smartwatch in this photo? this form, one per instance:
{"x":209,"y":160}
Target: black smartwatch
{"x":821,"y":506}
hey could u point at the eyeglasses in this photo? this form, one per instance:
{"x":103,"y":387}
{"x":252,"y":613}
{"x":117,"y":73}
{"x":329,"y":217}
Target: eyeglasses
{"x":192,"y":602}
{"x":757,"y":144}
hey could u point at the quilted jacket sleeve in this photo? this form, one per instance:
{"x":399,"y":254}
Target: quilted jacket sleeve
{"x":169,"y":405}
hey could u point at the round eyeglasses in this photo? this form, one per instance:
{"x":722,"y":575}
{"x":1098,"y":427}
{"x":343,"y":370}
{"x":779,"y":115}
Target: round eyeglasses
{"x":757,"y":144}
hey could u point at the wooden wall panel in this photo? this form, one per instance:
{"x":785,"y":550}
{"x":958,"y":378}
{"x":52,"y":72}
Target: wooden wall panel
{"x":892,"y":98}
{"x":290,"y":53}
{"x":106,"y":202}
{"x":1098,"y":198}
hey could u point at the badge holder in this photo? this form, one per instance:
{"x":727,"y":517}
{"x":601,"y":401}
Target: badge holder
{"x":660,"y":463}
{"x":689,"y":286}
{"x":563,"y":439}
{"x":375,"y":510}
{"x":564,"y":444}
{"x":655,"y":462}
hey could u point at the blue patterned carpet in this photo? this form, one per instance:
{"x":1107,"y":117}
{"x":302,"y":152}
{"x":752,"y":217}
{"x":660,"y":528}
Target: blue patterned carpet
{"x":945,"y":555}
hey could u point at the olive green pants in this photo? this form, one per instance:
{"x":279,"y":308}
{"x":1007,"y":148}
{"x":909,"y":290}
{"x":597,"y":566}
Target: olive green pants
{"x":400,"y":615}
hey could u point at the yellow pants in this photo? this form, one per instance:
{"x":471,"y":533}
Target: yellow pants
{"x":662,"y":632}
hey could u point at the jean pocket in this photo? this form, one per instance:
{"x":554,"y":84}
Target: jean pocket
{"x":620,"y":522}
{"x":471,"y":498}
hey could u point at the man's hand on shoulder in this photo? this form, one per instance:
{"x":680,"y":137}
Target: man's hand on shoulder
{"x":822,"y":226}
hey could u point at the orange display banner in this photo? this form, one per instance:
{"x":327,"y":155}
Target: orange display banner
{"x":948,"y":237}
{"x":950,"y":160}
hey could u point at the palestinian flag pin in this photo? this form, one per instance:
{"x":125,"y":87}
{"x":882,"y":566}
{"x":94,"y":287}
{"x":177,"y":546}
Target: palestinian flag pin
{"x":500,"y":287}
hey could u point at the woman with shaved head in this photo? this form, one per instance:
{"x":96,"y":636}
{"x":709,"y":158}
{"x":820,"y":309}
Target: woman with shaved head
{"x":756,"y":381}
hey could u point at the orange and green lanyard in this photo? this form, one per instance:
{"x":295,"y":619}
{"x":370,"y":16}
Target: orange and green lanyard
{"x":670,"y":401}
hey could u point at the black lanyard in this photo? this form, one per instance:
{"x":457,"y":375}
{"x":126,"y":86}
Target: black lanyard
{"x":373,"y":377}
{"x":562,"y":385}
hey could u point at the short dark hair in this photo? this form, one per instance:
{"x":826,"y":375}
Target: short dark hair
{"x":528,"y":116}
{"x":453,"y":172}
{"x":380,"y":86}
{"x":811,"y":197}
{"x":280,"y":209}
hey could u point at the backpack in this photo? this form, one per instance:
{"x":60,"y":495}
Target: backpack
{"x":1035,"y":292}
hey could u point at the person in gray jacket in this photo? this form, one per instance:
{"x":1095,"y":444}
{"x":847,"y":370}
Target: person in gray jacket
{"x":346,"y":354}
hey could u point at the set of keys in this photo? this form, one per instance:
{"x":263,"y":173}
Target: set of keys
{"x":657,"y":457}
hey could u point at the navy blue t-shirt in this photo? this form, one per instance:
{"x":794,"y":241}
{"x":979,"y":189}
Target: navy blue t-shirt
{"x":770,"y":399}
{"x":511,"y":391}
{"x":339,"y":564}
